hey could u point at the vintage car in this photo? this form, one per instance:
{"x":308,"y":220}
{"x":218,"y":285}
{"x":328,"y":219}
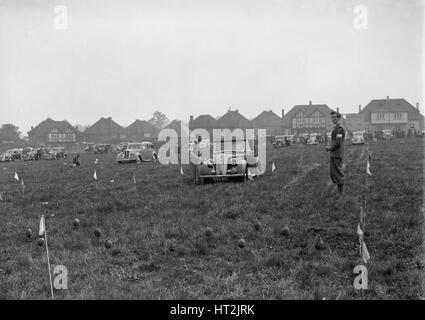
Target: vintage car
{"x":89,"y":146}
{"x":29,"y":153}
{"x":48,"y":154}
{"x":102,"y":148}
{"x":313,"y":139}
{"x":58,"y":152}
{"x":137,"y":152}
{"x":279,"y":141}
{"x":358,"y":137}
{"x":12,"y":155}
{"x":230,"y":160}
{"x":387,"y":134}
{"x":120,"y":147}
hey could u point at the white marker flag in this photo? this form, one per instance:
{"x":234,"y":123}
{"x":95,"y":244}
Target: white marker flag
{"x":365,"y":253}
{"x":42,"y":226}
{"x":368,"y":168}
{"x":273,"y":167}
{"x":95,"y":175}
{"x":1,"y":197}
{"x":16,"y":177}
{"x":181,"y":170}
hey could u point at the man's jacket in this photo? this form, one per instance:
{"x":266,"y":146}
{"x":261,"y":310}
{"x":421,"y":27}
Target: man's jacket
{"x":337,"y":141}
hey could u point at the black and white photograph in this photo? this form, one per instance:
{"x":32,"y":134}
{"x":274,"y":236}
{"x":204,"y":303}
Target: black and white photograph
{"x":230,"y":152}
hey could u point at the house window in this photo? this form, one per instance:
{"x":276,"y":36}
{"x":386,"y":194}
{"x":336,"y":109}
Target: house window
{"x":380,"y":116}
{"x":299,"y":119}
{"x":398,"y":116}
{"x":317,"y":119}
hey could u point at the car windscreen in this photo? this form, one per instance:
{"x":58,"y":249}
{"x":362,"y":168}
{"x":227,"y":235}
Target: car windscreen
{"x":135,"y":146}
{"x":229,"y":146}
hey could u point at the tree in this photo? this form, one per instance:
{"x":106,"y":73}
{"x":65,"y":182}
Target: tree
{"x":9,"y":132}
{"x":159,"y":120}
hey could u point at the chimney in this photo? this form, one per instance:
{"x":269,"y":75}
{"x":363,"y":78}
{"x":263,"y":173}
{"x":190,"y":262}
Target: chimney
{"x":283,"y":112}
{"x":337,"y":109}
{"x":360,"y":108}
{"x":310,"y":102}
{"x":417,"y":105}
{"x":32,"y":128}
{"x":191,"y":118}
{"x":237,"y":110}
{"x":388,"y":97}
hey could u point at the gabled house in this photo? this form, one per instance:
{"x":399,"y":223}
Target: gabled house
{"x":178,"y":126}
{"x":392,"y":114}
{"x":141,"y":130}
{"x":105,"y":131}
{"x":270,"y":121}
{"x":204,"y":121}
{"x":355,"y":121}
{"x":53,"y":133}
{"x":232,"y":119}
{"x":308,"y":118}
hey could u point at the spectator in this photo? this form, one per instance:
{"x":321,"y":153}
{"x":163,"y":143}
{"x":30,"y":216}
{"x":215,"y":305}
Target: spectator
{"x":76,"y":160}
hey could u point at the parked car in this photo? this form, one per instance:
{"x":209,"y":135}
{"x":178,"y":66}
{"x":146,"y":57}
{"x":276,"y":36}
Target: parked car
{"x":137,"y":152}
{"x":120,"y":147}
{"x":102,"y":148}
{"x":230,"y":160}
{"x":12,"y":155}
{"x":48,"y":155}
{"x":279,"y":141}
{"x":312,"y":140}
{"x":58,"y":152}
{"x":358,"y":137}
{"x":387,"y":135}
{"x":29,"y":153}
{"x":89,"y":147}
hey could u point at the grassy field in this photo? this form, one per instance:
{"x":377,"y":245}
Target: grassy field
{"x":160,"y":250}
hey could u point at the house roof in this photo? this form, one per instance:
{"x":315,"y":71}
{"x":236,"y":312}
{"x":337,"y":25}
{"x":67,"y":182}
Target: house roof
{"x":392,"y":105}
{"x":140,"y":127}
{"x":104,"y":125}
{"x":46,"y":126}
{"x":178,"y":125}
{"x":308,"y":110}
{"x":267,"y":119}
{"x":204,"y":121}
{"x":233,"y":119}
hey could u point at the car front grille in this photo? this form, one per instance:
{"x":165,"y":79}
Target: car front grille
{"x":126,"y":154}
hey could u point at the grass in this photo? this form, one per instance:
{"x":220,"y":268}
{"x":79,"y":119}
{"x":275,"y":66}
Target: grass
{"x":160,"y":249}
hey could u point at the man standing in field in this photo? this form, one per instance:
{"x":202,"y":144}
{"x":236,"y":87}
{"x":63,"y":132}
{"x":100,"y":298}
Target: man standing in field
{"x":336,"y":148}
{"x":195,"y":158}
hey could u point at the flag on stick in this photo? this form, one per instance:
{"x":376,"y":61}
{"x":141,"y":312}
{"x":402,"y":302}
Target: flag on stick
{"x":23,"y":185}
{"x":42,"y":226}
{"x":16,"y":176}
{"x":95,"y":175}
{"x":41,"y":233}
{"x":368,"y":166}
{"x":181,"y":170}
{"x":273,"y":167}
{"x":365,"y":253}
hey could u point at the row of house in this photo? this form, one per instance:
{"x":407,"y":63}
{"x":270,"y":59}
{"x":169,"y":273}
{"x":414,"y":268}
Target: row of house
{"x":394,"y":114}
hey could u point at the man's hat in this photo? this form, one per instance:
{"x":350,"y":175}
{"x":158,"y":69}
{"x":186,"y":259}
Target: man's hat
{"x":336,"y":113}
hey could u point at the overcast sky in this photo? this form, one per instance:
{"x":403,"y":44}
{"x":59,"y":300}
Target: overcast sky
{"x":127,"y":59}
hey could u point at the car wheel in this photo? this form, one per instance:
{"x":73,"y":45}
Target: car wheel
{"x":139,"y":159}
